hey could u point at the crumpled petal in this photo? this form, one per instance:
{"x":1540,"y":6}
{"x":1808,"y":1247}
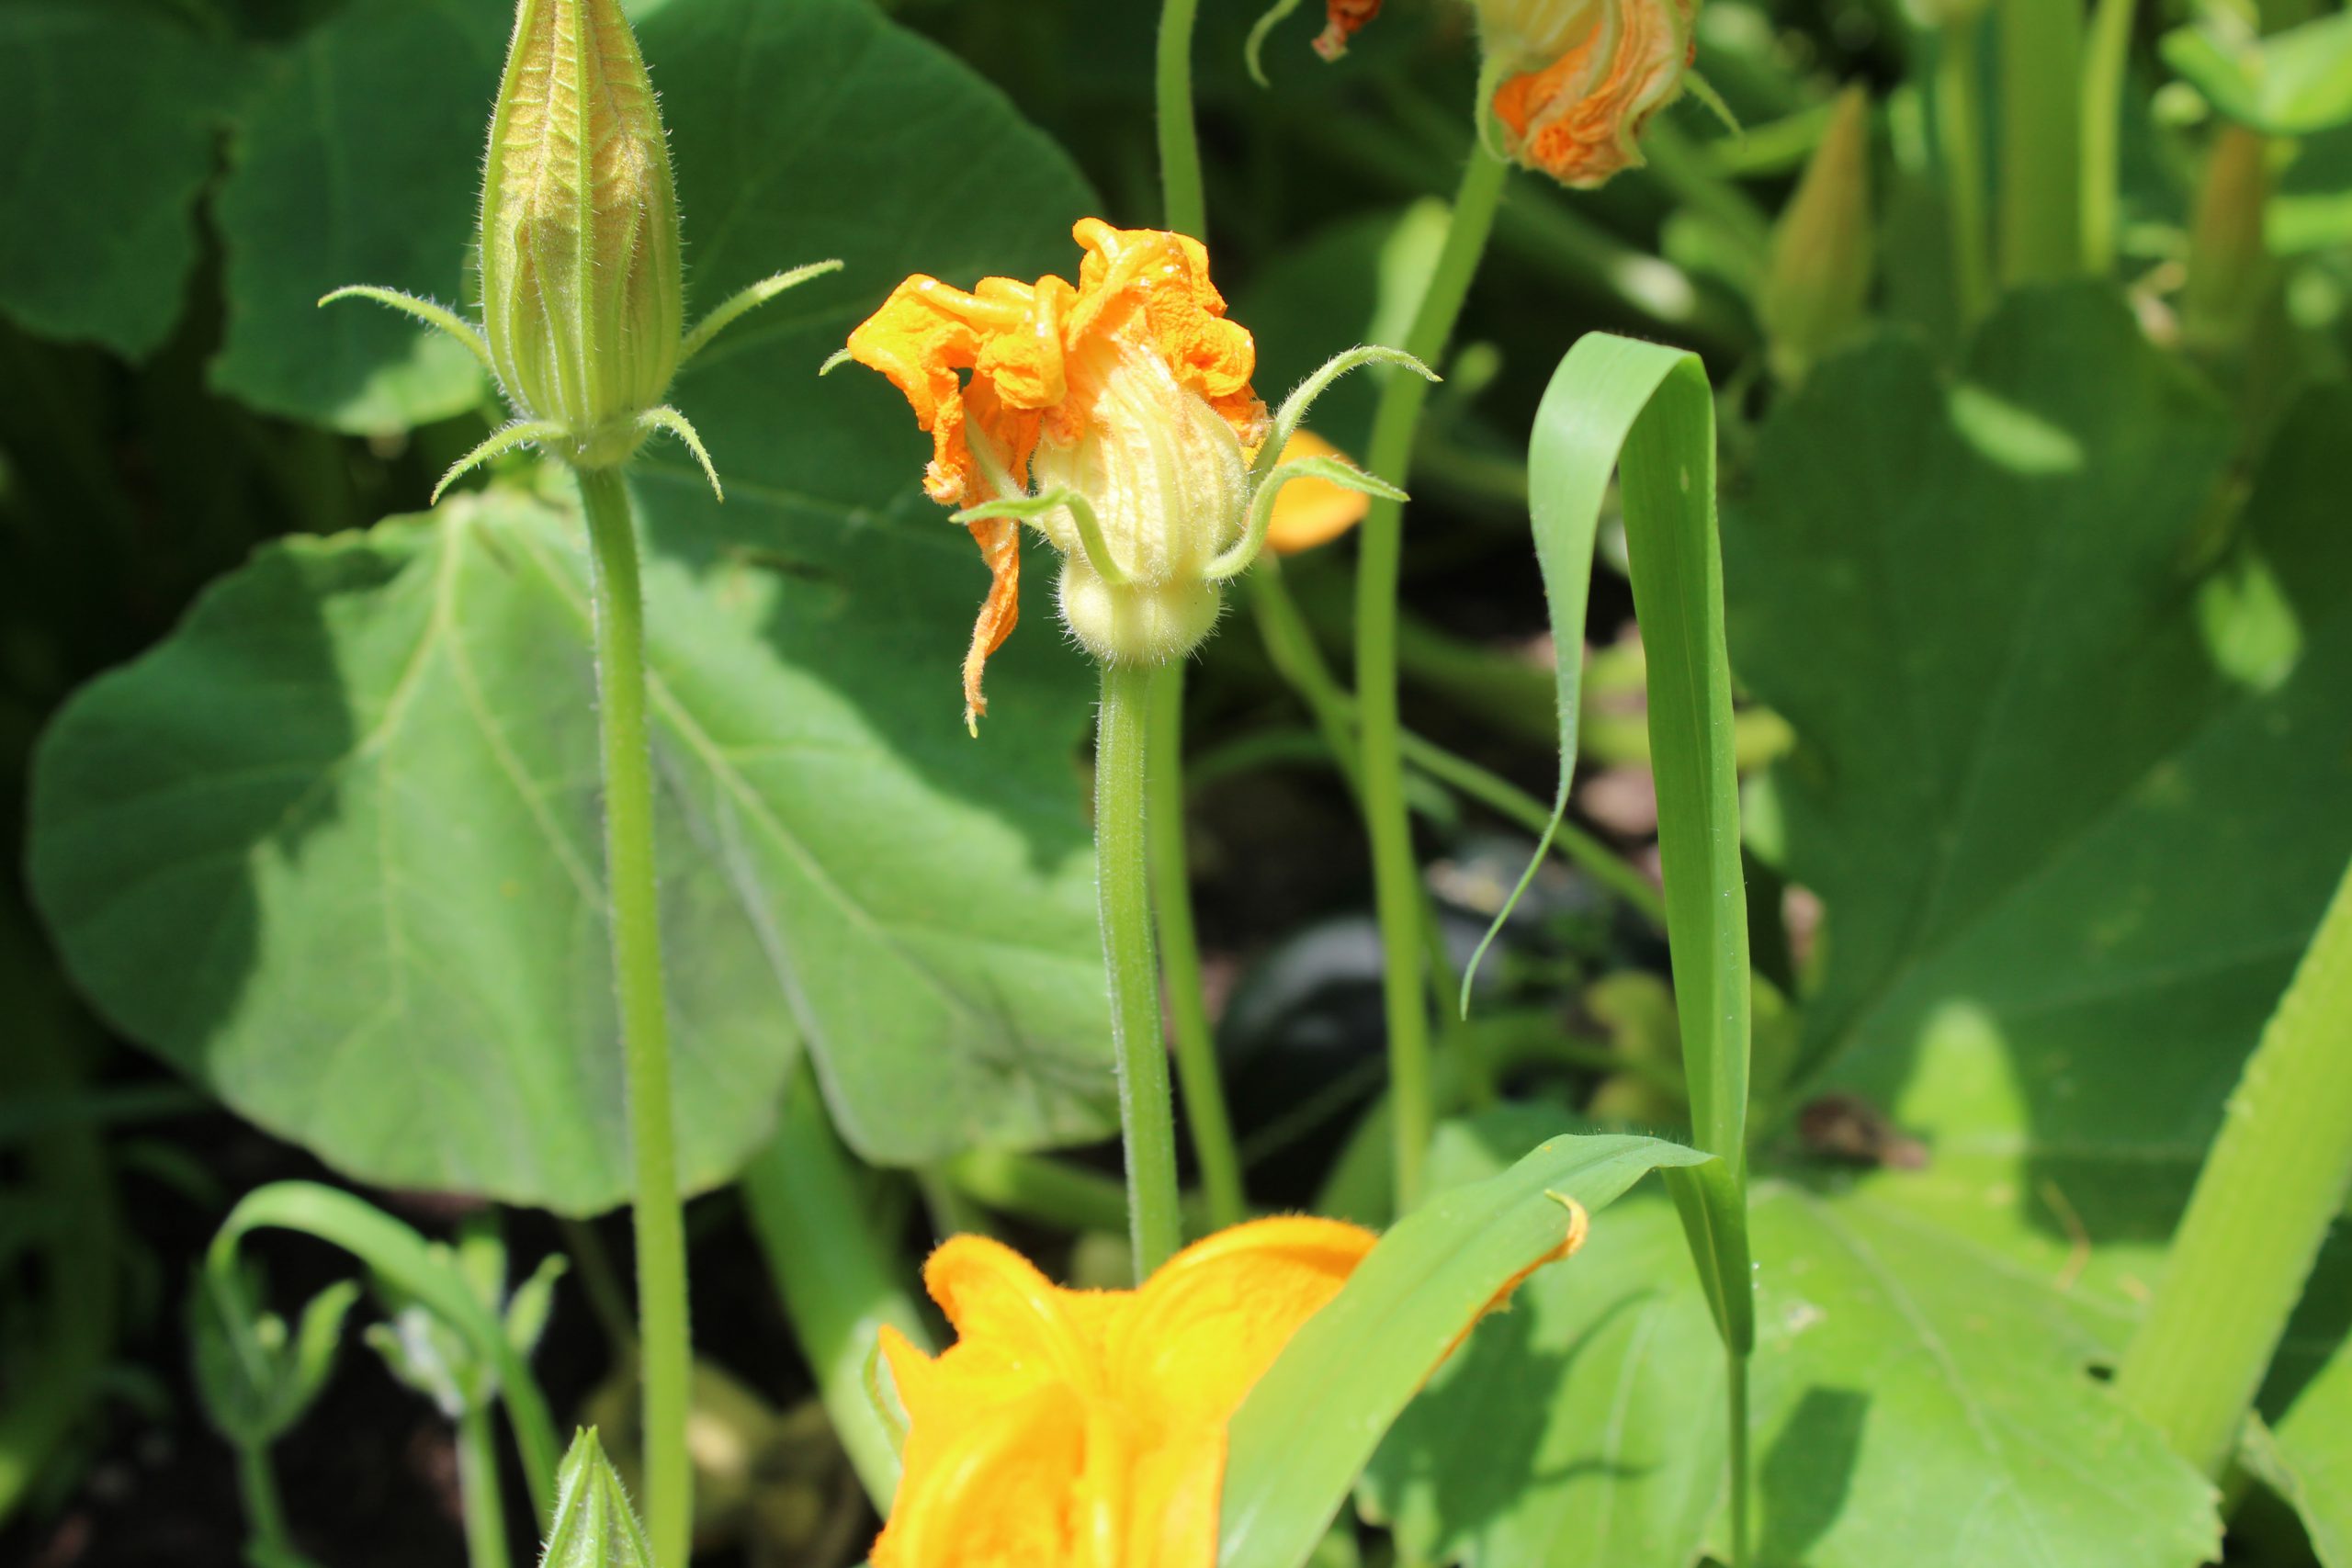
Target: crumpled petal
{"x":1342,"y":19}
{"x":1580,"y":118}
{"x":989,"y":372}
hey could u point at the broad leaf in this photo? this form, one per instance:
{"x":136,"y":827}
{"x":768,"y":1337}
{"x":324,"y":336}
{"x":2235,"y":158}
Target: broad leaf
{"x":110,"y":115}
{"x":336,"y":848}
{"x":360,"y":161}
{"x":2069,"y":759}
{"x":1915,"y":1403}
{"x":2294,"y":83}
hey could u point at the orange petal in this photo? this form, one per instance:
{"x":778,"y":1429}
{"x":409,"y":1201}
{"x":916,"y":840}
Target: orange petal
{"x":997,"y":1494}
{"x":1177,"y":1487}
{"x":1342,"y":19}
{"x":1580,"y":118}
{"x":1211,"y":1320}
{"x":1000,"y":542}
{"x":1311,"y":512}
{"x":1000,"y":1304}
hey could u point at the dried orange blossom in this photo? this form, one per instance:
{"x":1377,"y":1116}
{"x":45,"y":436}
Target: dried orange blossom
{"x":1087,"y":1428}
{"x":1571,"y":84}
{"x":1115,"y":416}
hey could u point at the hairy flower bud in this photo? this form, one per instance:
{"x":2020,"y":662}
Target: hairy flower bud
{"x":1818,"y":287}
{"x":582,"y":301}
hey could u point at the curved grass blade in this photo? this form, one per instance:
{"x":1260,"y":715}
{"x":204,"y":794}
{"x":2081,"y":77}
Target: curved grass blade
{"x":1646,"y":413}
{"x":1307,"y":1430}
{"x":403,"y":1258}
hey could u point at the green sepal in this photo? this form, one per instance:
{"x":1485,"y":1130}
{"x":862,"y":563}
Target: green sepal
{"x":595,"y":1527}
{"x":254,"y":1378}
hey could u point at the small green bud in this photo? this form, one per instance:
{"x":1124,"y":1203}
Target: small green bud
{"x":582,"y":299}
{"x":2229,"y":260}
{"x":1824,"y":254}
{"x":593,"y":1525}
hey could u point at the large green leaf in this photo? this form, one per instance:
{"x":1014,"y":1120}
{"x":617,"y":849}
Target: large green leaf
{"x":334,"y":847}
{"x":1915,"y":1403}
{"x":2069,"y":765}
{"x":841,"y":860}
{"x":109,"y":115}
{"x":2071,"y":742}
{"x":360,"y":161}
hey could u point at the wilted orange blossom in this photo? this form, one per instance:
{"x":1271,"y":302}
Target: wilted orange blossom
{"x":1579,"y":118}
{"x":1130,"y":387}
{"x":1573,"y":81}
{"x":1087,"y":1428}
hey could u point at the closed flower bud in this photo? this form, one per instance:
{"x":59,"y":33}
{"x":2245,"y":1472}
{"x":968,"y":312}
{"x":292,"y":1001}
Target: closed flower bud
{"x":581,"y":304}
{"x":2229,"y":263}
{"x":1824,"y":254}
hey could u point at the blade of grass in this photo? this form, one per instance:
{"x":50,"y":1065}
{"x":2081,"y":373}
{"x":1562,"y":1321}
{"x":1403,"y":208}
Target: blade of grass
{"x":1304,"y":1434}
{"x":1646,"y":413}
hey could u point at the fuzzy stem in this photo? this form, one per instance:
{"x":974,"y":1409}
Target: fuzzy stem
{"x":2272,"y":1185}
{"x":666,"y":1352}
{"x":1395,"y":874}
{"x":1180,"y":957}
{"x":1147,"y":1114}
{"x":478,"y":1496}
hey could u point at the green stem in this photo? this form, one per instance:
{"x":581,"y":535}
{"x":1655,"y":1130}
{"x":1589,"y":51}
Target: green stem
{"x":1959,"y":132}
{"x":485,"y":1513}
{"x":2273,"y":1183}
{"x":1736,"y":1371}
{"x":264,"y":1510}
{"x":666,"y":1358}
{"x":2041,"y":128}
{"x":1180,"y":957}
{"x":1186,"y":208}
{"x":1147,"y":1114}
{"x":839,"y":1281}
{"x":1395,"y":874}
{"x":2111,"y":50}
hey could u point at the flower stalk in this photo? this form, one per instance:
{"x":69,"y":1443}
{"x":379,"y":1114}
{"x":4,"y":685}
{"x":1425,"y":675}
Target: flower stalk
{"x":1147,"y":1114}
{"x":665,"y":1348}
{"x":1206,"y":1113}
{"x":1396,"y":873}
{"x":583,"y":329}
{"x":2272,"y":1186}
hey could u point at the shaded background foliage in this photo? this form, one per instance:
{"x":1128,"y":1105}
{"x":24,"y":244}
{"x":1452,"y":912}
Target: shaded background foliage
{"x":2043,"y":623}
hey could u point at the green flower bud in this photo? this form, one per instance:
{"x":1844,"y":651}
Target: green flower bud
{"x":581,"y":300}
{"x":1824,"y":254}
{"x":2229,"y":261}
